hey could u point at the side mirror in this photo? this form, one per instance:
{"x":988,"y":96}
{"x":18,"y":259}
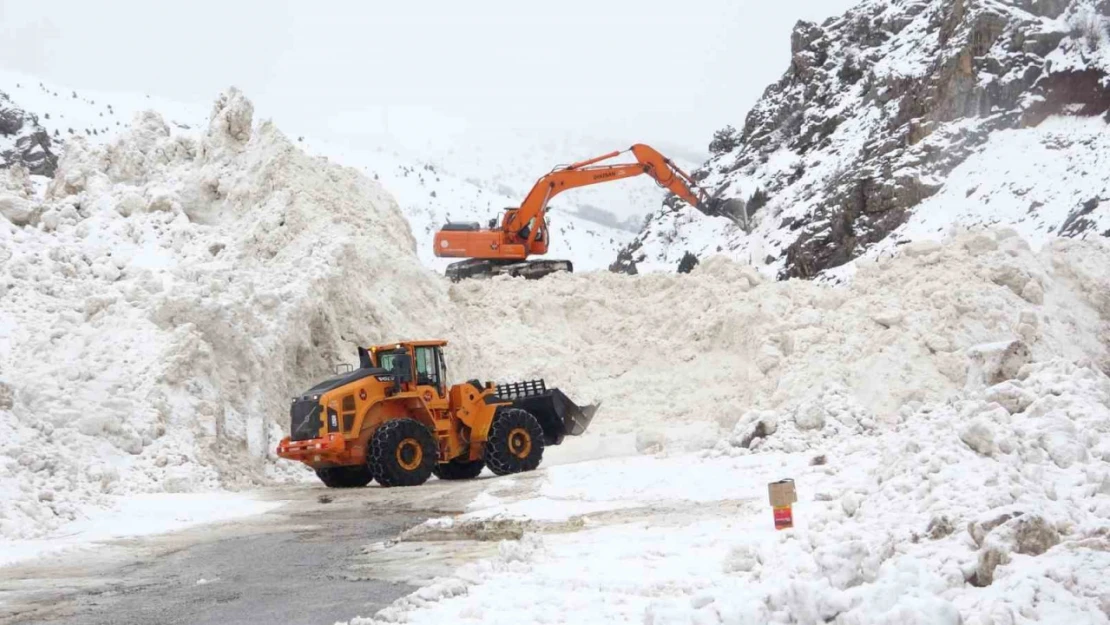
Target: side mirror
{"x":364,"y":361}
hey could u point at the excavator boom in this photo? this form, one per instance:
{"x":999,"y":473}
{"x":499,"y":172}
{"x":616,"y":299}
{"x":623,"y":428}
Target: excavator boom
{"x":523,"y":232}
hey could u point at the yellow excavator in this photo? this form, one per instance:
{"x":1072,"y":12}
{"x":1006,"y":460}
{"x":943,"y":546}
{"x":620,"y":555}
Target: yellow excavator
{"x":506,"y":245}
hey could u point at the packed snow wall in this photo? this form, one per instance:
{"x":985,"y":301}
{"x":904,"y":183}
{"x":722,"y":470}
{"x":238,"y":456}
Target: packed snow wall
{"x":162,"y":301}
{"x":676,"y":356}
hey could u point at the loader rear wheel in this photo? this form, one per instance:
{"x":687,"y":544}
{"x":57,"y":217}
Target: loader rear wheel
{"x":402,"y":453}
{"x":459,"y":470}
{"x":345,"y":477}
{"x":515,"y":442}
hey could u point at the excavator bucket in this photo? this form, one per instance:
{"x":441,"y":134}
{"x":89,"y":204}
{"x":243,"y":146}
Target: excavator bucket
{"x":557,"y":414}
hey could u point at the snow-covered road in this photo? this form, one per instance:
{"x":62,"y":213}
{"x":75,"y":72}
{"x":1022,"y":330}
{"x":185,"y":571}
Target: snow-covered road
{"x":296,"y":559}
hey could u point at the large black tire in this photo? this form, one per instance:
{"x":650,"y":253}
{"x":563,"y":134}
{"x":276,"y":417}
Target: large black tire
{"x":402,"y":453}
{"x":515,"y":442}
{"x":345,"y":477}
{"x":459,"y":469}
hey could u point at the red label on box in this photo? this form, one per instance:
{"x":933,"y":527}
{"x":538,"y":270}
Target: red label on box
{"x":784,"y":518}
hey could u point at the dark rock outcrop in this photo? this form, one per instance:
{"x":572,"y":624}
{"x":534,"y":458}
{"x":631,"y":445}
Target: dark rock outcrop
{"x":23,"y":140}
{"x":876,"y":107}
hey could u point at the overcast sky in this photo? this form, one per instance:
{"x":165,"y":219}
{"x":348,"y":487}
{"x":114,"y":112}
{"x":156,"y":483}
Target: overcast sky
{"x":648,"y":70}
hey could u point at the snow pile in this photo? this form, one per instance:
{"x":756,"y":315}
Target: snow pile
{"x":945,"y":416}
{"x":990,"y":509}
{"x":168,"y":294}
{"x":675,"y":357}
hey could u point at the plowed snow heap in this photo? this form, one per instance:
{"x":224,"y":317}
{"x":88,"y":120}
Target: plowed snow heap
{"x":168,"y":296}
{"x":160,"y":304}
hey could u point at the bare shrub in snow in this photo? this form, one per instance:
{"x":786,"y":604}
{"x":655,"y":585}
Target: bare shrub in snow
{"x":1089,"y":27}
{"x":724,"y":140}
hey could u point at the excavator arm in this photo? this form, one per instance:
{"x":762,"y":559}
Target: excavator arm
{"x":648,"y":161}
{"x":504,"y":248}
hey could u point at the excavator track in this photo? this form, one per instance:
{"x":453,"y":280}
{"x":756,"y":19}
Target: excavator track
{"x":529,"y":269}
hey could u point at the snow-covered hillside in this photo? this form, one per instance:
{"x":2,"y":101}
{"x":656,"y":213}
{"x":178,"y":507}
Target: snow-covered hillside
{"x":907,"y":117}
{"x":97,"y":116}
{"x":463,"y":179}
{"x":945,"y":412}
{"x":432,"y":195}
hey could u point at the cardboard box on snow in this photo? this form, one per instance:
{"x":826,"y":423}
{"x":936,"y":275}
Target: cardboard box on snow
{"x":782,"y":493}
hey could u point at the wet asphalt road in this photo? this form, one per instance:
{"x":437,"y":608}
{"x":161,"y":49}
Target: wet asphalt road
{"x":297,"y":567}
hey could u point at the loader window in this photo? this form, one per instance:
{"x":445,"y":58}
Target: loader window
{"x":385,"y":361}
{"x":429,"y":367}
{"x":388,"y":360}
{"x":426,"y":372}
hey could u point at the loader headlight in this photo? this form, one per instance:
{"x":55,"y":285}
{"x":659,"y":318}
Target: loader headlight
{"x":333,"y":420}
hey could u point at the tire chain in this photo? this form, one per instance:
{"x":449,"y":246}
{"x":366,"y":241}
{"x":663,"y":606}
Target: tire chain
{"x":501,"y":461}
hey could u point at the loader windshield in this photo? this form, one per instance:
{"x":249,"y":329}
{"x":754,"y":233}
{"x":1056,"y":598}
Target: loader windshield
{"x":388,"y":360}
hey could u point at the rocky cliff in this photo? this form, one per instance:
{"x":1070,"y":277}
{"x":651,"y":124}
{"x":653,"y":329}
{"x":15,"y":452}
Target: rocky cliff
{"x":876,"y":110}
{"x":24,"y":141}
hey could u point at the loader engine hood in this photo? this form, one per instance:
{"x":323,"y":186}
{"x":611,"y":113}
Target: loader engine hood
{"x":344,"y":379}
{"x":306,"y":415}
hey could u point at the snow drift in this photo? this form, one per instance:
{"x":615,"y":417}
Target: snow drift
{"x":989,"y":509}
{"x":168,"y":294}
{"x":674,"y":357}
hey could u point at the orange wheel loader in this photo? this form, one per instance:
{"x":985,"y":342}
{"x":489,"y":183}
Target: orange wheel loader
{"x":504,"y":247}
{"x":395,"y":420}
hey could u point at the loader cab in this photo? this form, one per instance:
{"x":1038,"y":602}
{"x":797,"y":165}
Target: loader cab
{"x":421,"y":363}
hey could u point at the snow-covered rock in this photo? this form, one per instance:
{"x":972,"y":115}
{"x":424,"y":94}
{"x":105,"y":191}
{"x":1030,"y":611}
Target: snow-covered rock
{"x":900,"y":120}
{"x":23,"y":140}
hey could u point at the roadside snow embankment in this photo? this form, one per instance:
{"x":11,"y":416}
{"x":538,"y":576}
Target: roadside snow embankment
{"x":946,"y":416}
{"x":676,"y":358}
{"x":945,"y":412}
{"x":162,"y":301}
{"x":989,"y":509}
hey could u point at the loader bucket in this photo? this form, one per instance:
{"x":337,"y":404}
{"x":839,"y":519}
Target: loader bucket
{"x":577,"y":419}
{"x":557,"y":414}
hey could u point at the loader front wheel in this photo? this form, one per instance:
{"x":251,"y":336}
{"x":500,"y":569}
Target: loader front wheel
{"x":515,"y":442}
{"x":459,"y":469}
{"x":402,"y":453}
{"x":345,"y":477}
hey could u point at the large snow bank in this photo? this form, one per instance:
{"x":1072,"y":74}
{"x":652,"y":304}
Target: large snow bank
{"x":990,"y":509}
{"x":162,"y":301}
{"x":945,"y":416}
{"x":675,"y":357}
{"x":168,"y":296}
